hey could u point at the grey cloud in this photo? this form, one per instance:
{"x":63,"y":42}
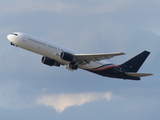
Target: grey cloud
{"x":32,"y":6}
{"x":11,"y":96}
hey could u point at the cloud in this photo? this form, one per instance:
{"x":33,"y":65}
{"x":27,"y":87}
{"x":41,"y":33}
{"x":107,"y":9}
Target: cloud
{"x":8,"y":93}
{"x":11,"y":95}
{"x":94,"y":6}
{"x":33,"y":6}
{"x":62,"y":101}
{"x":89,"y":6}
{"x":110,"y":6}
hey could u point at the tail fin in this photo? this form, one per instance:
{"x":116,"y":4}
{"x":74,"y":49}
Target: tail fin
{"x":136,"y":62}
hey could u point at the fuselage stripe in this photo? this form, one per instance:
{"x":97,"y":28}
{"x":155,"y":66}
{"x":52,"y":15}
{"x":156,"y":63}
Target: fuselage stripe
{"x":103,"y":68}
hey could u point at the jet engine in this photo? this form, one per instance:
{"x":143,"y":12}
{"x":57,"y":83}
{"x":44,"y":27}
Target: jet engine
{"x":70,"y":58}
{"x":48,"y":61}
{"x":67,"y":56}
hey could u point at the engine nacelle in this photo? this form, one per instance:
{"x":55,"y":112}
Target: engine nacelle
{"x":67,"y":56}
{"x":48,"y":61}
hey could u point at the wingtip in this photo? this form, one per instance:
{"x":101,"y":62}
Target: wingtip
{"x":151,"y":74}
{"x":123,"y":53}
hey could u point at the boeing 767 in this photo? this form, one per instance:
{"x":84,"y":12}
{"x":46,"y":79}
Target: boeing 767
{"x":55,"y":55}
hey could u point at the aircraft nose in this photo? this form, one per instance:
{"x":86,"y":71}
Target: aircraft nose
{"x":9,"y":37}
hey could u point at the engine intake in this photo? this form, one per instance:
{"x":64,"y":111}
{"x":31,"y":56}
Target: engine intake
{"x":67,"y":56}
{"x":48,"y":61}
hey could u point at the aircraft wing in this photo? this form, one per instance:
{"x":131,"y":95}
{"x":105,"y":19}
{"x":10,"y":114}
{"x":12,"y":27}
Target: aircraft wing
{"x":96,"y":57}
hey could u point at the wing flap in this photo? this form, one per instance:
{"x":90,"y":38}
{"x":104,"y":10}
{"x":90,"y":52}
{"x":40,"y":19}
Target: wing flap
{"x":97,"y":57}
{"x":138,"y":74}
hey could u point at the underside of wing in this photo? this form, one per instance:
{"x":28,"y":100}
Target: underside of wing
{"x":97,"y":57}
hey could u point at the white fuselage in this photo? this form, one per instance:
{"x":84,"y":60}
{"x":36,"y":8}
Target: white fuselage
{"x":47,"y":49}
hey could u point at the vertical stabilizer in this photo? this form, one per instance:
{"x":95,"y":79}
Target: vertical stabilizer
{"x":136,"y":62}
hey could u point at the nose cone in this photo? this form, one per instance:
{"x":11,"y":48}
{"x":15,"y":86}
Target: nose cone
{"x":10,"y":37}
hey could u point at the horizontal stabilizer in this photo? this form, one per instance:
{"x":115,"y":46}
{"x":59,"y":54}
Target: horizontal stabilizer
{"x":138,"y":74}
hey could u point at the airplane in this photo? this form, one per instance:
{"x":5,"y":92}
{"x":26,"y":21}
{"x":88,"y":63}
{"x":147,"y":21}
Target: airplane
{"x":55,"y":55}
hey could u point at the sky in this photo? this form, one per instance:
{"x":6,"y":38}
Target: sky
{"x":30,"y":90}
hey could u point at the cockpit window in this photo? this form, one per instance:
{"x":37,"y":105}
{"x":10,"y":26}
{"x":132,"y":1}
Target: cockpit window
{"x":15,"y":34}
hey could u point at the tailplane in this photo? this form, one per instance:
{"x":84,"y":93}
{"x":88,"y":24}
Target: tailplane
{"x":135,"y":63}
{"x":138,"y":74}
